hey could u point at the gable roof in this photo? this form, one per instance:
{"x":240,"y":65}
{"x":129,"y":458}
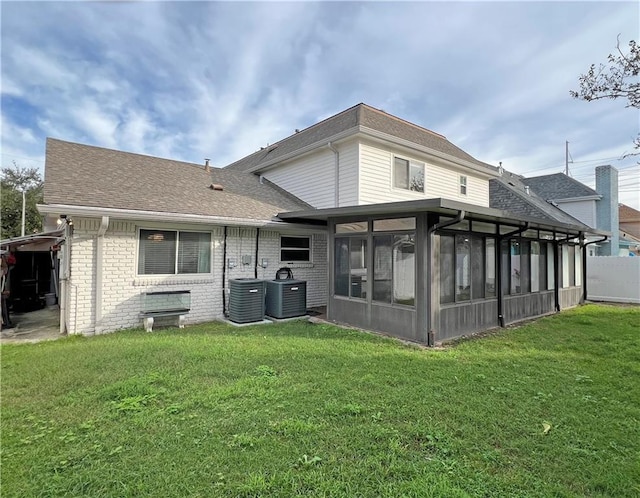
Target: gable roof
{"x":627,"y":213}
{"x":508,"y":193}
{"x":357,"y":118}
{"x":558,"y":186}
{"x":83,"y":175}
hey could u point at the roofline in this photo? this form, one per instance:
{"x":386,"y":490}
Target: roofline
{"x":370,"y":132}
{"x":439,"y":204}
{"x":159,"y":216}
{"x":574,"y":199}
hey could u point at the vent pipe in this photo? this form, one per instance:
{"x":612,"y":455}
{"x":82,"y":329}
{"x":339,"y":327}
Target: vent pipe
{"x":207,"y":168}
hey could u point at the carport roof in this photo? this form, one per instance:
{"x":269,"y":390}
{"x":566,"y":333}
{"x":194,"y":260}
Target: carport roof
{"x":32,"y":238}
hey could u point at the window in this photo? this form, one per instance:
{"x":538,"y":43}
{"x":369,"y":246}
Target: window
{"x":350,"y":267}
{"x":463,"y":185}
{"x":394,"y":266}
{"x":408,"y":175}
{"x":168,"y":252}
{"x":295,"y":249}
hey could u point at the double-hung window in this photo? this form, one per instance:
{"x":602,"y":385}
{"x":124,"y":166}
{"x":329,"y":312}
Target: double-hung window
{"x":295,"y":249}
{"x":463,"y":185}
{"x":172,"y":252}
{"x":408,"y":175}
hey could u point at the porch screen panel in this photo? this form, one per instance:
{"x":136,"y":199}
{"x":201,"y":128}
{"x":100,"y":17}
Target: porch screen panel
{"x":543,"y":265}
{"x":341,"y":266}
{"x":404,"y":269}
{"x":477,"y":267}
{"x":382,"y":268}
{"x":525,"y":266}
{"x":506,"y":266}
{"x":572,"y":265}
{"x":463,"y":268}
{"x":157,"y":252}
{"x":551,"y":267}
{"x":578,"y":261}
{"x":535,"y":266}
{"x":490,"y":269}
{"x":447,"y":269}
{"x":565,"y":266}
{"x":194,"y":252}
{"x":358,"y":270}
{"x":514,"y":252}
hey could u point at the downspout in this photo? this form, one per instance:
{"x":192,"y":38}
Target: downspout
{"x":556,"y":260}
{"x":104,"y":224}
{"x":255,"y":262}
{"x":64,"y":278}
{"x":431,"y":336}
{"x":337,"y":173}
{"x":499,"y":268}
{"x":224,"y":273}
{"x":584,"y":265}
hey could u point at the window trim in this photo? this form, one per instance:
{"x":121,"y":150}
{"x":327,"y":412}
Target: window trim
{"x":298,"y":261}
{"x":175,"y":274}
{"x":410,"y":163}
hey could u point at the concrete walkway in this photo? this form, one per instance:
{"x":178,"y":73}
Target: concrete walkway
{"x":35,"y":326}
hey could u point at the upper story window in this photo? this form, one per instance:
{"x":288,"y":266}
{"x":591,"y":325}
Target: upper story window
{"x":171,"y":252}
{"x":408,"y":175}
{"x":463,"y":185}
{"x":295,"y":248}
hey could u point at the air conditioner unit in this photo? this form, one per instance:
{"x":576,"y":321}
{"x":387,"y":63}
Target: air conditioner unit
{"x":246,"y":300}
{"x":286,"y":298}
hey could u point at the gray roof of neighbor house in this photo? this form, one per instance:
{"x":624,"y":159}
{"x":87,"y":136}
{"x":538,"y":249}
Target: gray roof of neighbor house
{"x":558,"y":186}
{"x":508,"y":193}
{"x":83,"y":175}
{"x":360,"y":115}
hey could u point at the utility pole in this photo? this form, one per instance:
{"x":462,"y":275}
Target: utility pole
{"x":566,"y":158}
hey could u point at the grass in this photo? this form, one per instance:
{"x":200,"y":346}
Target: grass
{"x":551,"y":408}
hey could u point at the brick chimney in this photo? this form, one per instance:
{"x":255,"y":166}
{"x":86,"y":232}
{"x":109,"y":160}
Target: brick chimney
{"x":607,"y":208}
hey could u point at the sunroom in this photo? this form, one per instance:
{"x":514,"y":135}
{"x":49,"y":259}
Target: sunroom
{"x":433,"y":270}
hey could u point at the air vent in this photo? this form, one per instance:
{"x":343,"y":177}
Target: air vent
{"x":216,"y":186}
{"x":246,"y":300}
{"x":286,"y":298}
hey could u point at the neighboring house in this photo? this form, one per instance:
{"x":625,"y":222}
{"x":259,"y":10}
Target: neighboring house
{"x":629,"y":219}
{"x":392,"y":226}
{"x":595,"y":208}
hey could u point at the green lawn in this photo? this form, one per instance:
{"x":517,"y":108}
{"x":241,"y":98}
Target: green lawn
{"x":551,"y":408}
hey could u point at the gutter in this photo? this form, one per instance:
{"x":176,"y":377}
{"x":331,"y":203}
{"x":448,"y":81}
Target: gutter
{"x":159,"y":216}
{"x":430,"y":231}
{"x":104,"y":224}
{"x":499,"y":289}
{"x":337,"y":173}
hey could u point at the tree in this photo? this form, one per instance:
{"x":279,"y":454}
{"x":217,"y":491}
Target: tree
{"x":619,"y":78}
{"x":14,"y":181}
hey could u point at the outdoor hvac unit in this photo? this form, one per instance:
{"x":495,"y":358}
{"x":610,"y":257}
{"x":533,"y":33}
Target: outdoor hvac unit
{"x":246,"y":300}
{"x":286,"y":298}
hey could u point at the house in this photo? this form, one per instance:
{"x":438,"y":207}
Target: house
{"x":596,"y":208}
{"x":629,"y":219}
{"x":393,"y":227}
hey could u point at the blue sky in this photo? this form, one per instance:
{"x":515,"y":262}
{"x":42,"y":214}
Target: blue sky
{"x":189,"y":80}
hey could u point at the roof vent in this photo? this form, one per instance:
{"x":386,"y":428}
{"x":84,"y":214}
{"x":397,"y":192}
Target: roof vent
{"x":216,"y":186}
{"x":297,"y":130}
{"x":500,"y":169}
{"x":526,"y":189}
{"x":207,"y":168}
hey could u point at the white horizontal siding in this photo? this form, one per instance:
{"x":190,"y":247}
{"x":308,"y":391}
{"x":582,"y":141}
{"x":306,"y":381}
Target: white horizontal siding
{"x":585,"y":211}
{"x":348,"y":191}
{"x":376,"y":180}
{"x":310,"y":178}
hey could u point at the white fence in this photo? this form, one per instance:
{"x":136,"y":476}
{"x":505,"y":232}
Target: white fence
{"x":614,"y":279}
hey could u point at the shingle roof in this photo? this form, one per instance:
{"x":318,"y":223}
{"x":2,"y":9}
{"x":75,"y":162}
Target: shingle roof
{"x":508,"y":193}
{"x":627,"y":213}
{"x":558,"y":186}
{"x":84,"y":175}
{"x":358,"y":115}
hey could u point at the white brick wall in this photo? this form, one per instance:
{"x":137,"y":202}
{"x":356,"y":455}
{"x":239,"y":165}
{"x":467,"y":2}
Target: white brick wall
{"x":122,"y":289}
